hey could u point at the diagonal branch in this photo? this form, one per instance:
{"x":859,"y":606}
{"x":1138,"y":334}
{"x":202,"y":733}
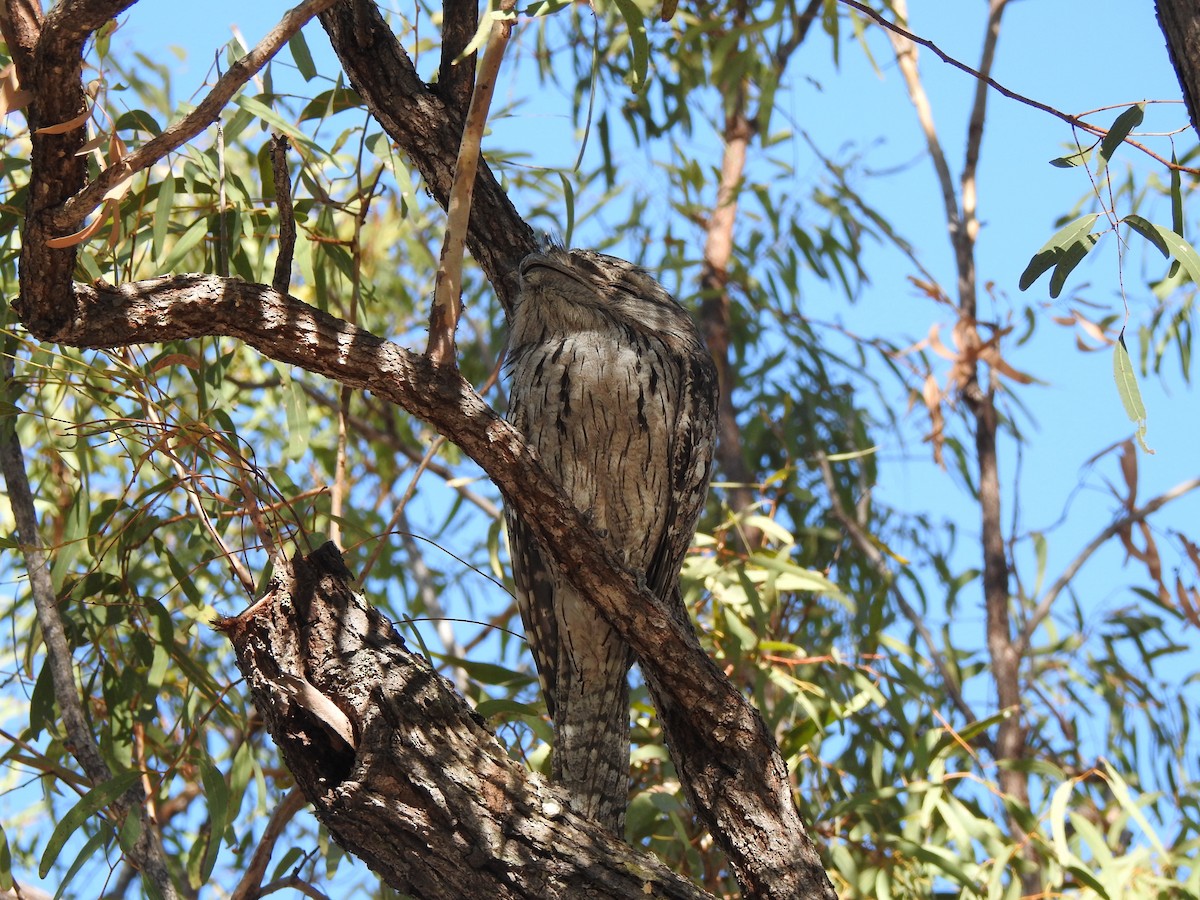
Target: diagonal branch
{"x":146,"y":855}
{"x":729,"y":761}
{"x":72,"y":213}
{"x":1133,"y":517}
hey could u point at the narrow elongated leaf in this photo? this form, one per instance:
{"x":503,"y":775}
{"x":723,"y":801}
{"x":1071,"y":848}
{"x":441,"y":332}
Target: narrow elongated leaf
{"x":189,"y":240}
{"x":216,"y":792}
{"x":1068,"y":259}
{"x":5,"y":863}
{"x":1047,"y":257}
{"x":1149,"y":231}
{"x":1180,"y":250}
{"x":90,"y":804}
{"x":1131,"y":806}
{"x":635,"y":21}
{"x":1128,"y":120}
{"x":1058,"y":822}
{"x":302,"y":57}
{"x":1127,"y":389}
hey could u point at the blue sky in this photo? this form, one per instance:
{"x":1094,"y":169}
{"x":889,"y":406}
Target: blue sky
{"x":1075,"y":55}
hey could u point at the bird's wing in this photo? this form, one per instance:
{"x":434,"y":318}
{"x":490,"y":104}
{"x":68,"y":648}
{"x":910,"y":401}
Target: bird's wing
{"x":691,"y":455}
{"x":535,"y":600}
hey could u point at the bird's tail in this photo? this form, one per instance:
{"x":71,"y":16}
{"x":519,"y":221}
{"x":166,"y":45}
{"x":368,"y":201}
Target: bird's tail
{"x":591,"y":744}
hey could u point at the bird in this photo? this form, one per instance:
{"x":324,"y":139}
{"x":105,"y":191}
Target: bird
{"x":612,"y":385}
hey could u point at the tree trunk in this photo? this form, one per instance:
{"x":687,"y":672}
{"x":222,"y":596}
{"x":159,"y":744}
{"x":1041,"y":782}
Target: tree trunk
{"x":398,"y":766}
{"x":1180,"y":23}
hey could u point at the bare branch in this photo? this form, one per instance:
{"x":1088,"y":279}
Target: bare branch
{"x":1074,"y":121}
{"x":287,"y":217}
{"x":1132,"y":517}
{"x":447,"y":300}
{"x":868,"y":548}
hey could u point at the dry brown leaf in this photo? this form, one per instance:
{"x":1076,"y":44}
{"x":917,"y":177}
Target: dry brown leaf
{"x":64,"y":127}
{"x":12,"y":97}
{"x":936,"y":345}
{"x":1189,"y":601}
{"x":85,"y":233}
{"x":1092,"y":329}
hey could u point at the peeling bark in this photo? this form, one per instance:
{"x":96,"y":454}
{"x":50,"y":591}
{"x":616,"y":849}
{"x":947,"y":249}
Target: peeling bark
{"x":426,"y":794}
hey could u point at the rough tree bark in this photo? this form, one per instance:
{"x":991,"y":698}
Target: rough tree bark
{"x":727,"y":759}
{"x":1180,"y":23}
{"x":398,"y":766}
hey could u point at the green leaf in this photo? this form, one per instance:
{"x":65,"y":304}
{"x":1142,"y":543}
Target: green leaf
{"x":1048,"y":256}
{"x":502,"y":706}
{"x":635,"y":21}
{"x":1176,"y":197}
{"x":162,"y":214}
{"x":302,"y":57}
{"x":1072,"y":160}
{"x":1121,"y":790}
{"x":1089,"y":879}
{"x":1127,"y":389}
{"x":1068,"y":259}
{"x":216,"y":792}
{"x":1177,"y":247}
{"x":95,"y":843}
{"x":1149,"y":231}
{"x":88,"y":806}
{"x":1124,"y":123}
{"x":186,"y":243}
{"x":1058,"y":822}
{"x":6,"y":881}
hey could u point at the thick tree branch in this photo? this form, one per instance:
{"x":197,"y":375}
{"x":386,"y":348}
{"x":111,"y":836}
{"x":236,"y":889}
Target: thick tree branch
{"x":1180,"y":24}
{"x":456,"y":77}
{"x":418,"y":786}
{"x":428,"y":131}
{"x":728,"y":759}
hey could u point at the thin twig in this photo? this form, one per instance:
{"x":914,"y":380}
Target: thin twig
{"x":1074,"y":121}
{"x":865,"y":546}
{"x":447,"y":300}
{"x":70,"y":214}
{"x":1133,"y":517}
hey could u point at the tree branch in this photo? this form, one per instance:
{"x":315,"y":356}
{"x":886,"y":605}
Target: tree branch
{"x":74,"y":210}
{"x":429,"y":132}
{"x":422,"y":790}
{"x":1132,"y":517}
{"x":727,"y":758}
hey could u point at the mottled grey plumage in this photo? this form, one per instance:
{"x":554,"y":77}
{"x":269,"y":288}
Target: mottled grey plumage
{"x":612,"y":384}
